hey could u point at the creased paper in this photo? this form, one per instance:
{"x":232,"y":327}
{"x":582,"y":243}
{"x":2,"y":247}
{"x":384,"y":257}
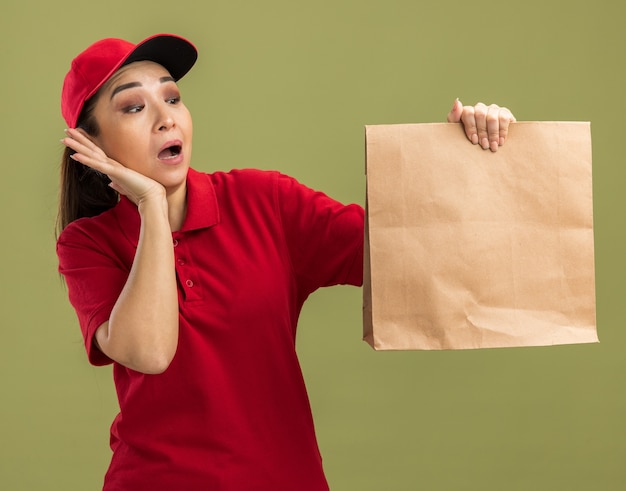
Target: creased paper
{"x":466,"y":248}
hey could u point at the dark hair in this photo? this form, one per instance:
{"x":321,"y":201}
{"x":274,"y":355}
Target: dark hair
{"x":84,"y":192}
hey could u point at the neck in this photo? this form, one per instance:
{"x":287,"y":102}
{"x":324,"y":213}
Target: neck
{"x":177,"y":207}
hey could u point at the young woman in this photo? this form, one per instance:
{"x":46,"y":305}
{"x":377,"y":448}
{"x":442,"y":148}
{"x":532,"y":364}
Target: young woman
{"x":191,"y":284}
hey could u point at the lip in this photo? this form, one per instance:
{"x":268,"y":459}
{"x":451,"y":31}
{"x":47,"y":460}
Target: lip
{"x":176,"y":159}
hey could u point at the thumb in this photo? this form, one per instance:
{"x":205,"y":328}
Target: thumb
{"x":454,"y":116}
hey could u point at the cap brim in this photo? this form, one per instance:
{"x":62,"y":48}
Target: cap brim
{"x":174,"y":53}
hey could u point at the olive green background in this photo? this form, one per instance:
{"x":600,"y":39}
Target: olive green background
{"x":289,"y":85}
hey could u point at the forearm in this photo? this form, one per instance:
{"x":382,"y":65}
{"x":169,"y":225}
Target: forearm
{"x":142,"y":331}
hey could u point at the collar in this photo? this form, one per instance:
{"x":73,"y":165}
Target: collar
{"x":202,"y":208}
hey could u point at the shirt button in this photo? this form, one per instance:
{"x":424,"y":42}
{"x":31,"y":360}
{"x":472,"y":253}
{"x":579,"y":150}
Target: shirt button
{"x":175,"y":242}
{"x":189,"y":283}
{"x":181,"y":262}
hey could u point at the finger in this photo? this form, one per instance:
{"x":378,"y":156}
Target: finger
{"x":454,"y":116}
{"x":493,"y":126}
{"x":506,"y":117}
{"x":83,"y":152}
{"x":88,"y":152}
{"x":79,"y":135}
{"x":480,"y":115}
{"x":96,"y":164}
{"x":96,"y":160}
{"x":469,"y":124}
{"x":76,"y":146}
{"x":79,"y":142}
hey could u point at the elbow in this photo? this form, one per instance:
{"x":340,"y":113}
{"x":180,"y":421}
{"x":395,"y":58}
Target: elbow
{"x":153,"y":370}
{"x":150,"y":356}
{"x":154,"y":363}
{"x":155,"y":367}
{"x":149,"y":361}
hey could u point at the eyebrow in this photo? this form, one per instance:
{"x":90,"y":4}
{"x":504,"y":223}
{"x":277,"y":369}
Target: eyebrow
{"x":131,"y":85}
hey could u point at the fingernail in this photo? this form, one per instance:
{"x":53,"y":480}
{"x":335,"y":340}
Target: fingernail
{"x":475,"y":139}
{"x":501,"y":141}
{"x":484,"y":143}
{"x":494,"y":146}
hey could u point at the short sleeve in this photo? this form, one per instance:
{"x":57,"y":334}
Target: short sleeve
{"x":95,"y":277}
{"x":324,"y":237}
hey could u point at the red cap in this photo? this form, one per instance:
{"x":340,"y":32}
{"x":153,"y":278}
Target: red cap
{"x":94,"y":66}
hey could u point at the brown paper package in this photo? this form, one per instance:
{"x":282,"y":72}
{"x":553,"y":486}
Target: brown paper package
{"x":469,"y":249}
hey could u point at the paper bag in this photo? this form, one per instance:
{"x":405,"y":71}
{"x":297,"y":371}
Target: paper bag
{"x":466,"y":248}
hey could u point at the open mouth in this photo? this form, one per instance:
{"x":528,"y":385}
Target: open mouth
{"x":170,"y":152}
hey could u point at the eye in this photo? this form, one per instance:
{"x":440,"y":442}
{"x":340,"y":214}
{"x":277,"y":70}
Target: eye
{"x":173,"y":100}
{"x":135,"y":108}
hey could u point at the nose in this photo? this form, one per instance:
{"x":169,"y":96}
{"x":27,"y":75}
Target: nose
{"x":166,"y":124}
{"x":165,"y":120}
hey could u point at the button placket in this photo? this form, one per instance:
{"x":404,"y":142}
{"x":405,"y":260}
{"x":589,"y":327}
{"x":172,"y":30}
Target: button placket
{"x":184,"y":271}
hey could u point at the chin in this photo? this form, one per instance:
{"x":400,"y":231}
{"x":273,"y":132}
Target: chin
{"x":175,"y":178}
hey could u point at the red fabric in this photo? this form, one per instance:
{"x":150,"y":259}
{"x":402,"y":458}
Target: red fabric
{"x":231,"y":412}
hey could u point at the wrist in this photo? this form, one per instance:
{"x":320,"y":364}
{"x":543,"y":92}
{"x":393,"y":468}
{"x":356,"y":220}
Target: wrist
{"x":153,"y":204}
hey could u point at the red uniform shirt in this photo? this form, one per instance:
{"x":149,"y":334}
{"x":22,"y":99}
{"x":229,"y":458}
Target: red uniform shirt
{"x":231,"y":412}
